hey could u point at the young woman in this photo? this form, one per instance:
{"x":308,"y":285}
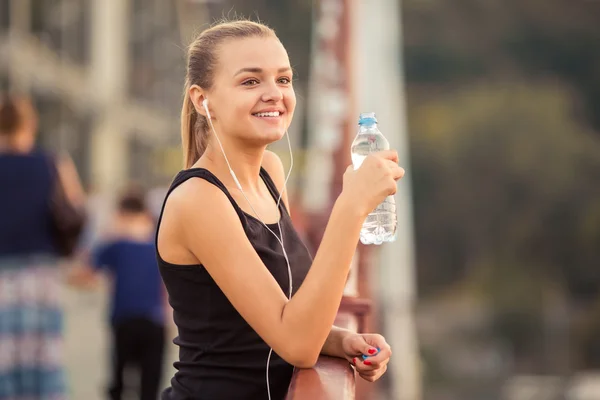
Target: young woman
{"x":220,"y":235}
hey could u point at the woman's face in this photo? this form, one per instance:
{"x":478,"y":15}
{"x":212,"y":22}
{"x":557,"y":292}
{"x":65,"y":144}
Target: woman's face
{"x":252,"y":98}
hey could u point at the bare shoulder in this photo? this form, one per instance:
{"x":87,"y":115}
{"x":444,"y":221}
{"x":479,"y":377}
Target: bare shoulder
{"x":274,"y":167}
{"x":185,"y":216}
{"x":194,"y":194}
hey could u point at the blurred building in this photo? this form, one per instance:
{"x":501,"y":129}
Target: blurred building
{"x":106,"y":76}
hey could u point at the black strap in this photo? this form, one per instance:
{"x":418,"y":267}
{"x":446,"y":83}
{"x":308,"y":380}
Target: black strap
{"x":205,"y":174}
{"x":272,"y":188}
{"x":210,"y":177}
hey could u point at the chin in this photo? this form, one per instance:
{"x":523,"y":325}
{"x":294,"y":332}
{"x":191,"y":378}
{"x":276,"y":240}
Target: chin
{"x":277,"y":135}
{"x":269,"y":136}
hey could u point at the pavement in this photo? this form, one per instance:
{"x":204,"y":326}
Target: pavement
{"x":87,"y":345}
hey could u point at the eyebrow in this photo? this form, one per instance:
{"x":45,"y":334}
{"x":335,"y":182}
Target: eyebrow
{"x":260,"y":70}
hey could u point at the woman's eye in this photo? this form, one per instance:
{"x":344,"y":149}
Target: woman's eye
{"x":285,"y":80}
{"x":250,"y":82}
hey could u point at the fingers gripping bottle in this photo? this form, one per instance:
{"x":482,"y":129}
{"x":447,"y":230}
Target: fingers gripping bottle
{"x":380,"y":225}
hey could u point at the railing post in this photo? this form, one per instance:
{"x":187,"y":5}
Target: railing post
{"x":331,"y":111}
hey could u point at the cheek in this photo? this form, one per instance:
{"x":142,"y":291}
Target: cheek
{"x":236,"y":113}
{"x":242,"y":106}
{"x":290,"y":103}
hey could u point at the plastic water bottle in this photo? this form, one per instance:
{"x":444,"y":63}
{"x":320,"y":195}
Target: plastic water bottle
{"x":380,"y":225}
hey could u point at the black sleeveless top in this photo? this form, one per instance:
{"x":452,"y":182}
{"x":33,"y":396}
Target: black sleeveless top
{"x":220,"y":355}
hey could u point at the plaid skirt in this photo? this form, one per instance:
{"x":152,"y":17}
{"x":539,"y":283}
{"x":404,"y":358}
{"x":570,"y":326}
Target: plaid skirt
{"x":31,"y":330}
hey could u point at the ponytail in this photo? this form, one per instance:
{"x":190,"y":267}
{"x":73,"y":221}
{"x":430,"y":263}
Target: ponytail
{"x":193,"y":131}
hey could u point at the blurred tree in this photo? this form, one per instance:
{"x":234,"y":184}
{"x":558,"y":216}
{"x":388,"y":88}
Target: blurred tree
{"x":504,"y":114}
{"x":505,"y":181}
{"x":503,"y":172}
{"x":450,"y":42}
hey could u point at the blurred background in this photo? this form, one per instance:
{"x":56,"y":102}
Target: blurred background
{"x":493,"y":288}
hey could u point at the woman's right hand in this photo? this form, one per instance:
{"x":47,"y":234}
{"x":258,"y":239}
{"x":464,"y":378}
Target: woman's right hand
{"x":366,"y":187}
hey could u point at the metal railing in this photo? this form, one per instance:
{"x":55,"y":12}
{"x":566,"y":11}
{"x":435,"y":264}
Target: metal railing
{"x":332,"y":378}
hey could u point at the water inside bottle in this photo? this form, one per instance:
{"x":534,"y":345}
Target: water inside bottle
{"x":380,"y":224}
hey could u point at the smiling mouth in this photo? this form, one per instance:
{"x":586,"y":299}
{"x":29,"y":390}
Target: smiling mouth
{"x":270,"y":114}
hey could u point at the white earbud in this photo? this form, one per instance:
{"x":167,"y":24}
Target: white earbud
{"x":235,"y":179}
{"x":205,"y":105}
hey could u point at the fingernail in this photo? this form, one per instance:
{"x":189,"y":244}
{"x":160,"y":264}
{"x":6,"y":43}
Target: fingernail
{"x":372,"y":351}
{"x":354,"y":361}
{"x":367,"y":362}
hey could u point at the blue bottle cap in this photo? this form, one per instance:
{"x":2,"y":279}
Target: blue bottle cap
{"x":367,"y":118}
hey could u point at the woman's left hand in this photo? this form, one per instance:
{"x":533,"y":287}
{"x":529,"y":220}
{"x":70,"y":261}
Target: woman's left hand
{"x":356,"y":345}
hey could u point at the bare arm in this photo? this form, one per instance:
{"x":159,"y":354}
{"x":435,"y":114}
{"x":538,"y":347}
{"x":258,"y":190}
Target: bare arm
{"x":69,"y":178}
{"x":333,"y":343}
{"x":296,"y":329}
{"x":273,"y":165}
{"x":81,"y":274}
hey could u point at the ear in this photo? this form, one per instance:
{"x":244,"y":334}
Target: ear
{"x":197,"y":96}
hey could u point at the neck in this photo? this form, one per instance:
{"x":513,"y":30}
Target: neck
{"x":16,"y":142}
{"x":244,"y":161}
{"x":134,"y":226}
{"x":5,"y":144}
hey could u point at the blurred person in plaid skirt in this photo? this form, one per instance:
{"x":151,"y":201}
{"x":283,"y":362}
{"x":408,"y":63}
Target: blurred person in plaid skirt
{"x":31,"y":316}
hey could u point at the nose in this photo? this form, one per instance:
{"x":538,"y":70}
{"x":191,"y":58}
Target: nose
{"x":272,"y":93}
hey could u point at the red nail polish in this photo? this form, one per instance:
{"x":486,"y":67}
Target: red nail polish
{"x":367,"y":362}
{"x":354,"y":361}
{"x":372,"y":351}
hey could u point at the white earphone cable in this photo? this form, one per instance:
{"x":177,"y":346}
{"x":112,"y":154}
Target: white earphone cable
{"x":280,"y":240}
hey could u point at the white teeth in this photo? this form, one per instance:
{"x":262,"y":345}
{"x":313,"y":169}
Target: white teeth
{"x":268,"y":114}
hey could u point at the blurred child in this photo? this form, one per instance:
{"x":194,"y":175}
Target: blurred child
{"x":137,"y":303}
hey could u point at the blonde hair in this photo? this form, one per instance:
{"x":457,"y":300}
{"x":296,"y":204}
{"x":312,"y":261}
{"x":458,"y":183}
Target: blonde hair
{"x":201,"y":64}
